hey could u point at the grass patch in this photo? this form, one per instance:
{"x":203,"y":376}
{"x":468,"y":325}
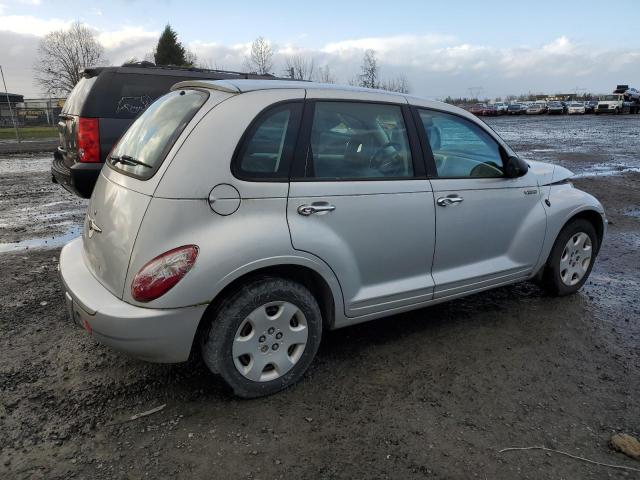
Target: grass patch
{"x":27,"y":133}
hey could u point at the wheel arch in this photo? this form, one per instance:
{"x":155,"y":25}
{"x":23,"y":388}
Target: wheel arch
{"x":324,"y":292}
{"x":595,"y":218}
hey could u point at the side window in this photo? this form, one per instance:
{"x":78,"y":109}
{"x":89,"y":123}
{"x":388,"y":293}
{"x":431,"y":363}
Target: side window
{"x":268,"y":146}
{"x":351,"y":140}
{"x":461,"y":148}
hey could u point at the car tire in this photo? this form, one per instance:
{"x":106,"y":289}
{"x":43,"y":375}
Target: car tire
{"x":265,"y":317}
{"x":566,"y":269}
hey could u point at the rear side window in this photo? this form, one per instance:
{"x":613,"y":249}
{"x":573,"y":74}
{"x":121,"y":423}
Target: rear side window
{"x":74,"y":103}
{"x":143,"y":147}
{"x":267,"y":147}
{"x":355,"y":140}
{"x":460,"y":147}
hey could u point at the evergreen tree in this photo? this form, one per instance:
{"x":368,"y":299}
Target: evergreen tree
{"x":169,"y":50}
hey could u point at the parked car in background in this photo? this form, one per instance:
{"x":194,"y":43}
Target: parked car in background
{"x":555,"y":108}
{"x":590,"y":106}
{"x":516,"y":109}
{"x":576,"y":108}
{"x":102,"y":106}
{"x":478,"y":109}
{"x":501,"y":107}
{"x":490,"y":111}
{"x":536,"y":109}
{"x":264,"y":213}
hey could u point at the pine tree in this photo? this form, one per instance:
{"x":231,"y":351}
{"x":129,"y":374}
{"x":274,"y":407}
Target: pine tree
{"x":169,"y":50}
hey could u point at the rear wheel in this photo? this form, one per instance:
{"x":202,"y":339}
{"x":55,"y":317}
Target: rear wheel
{"x":263,"y":337}
{"x":571,"y":258}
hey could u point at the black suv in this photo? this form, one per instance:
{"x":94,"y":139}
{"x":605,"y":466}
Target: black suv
{"x":100,"y":109}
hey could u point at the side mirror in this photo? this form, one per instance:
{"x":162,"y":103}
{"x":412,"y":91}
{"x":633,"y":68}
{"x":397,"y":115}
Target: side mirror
{"x":515,"y":167}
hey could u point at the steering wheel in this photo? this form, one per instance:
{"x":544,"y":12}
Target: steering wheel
{"x":489,"y":169}
{"x":390,"y":164}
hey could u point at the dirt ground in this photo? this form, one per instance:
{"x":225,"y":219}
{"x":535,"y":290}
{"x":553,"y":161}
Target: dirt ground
{"x":434,"y":393}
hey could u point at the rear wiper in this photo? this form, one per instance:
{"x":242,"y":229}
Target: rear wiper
{"x":128,"y":160}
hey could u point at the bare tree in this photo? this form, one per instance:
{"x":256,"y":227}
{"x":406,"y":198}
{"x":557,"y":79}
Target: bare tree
{"x":370,"y":71}
{"x":325,"y":75}
{"x":210,"y":64}
{"x":299,"y":67}
{"x":260,"y":59}
{"x":399,"y":84}
{"x":190,"y":58}
{"x":62,"y":57}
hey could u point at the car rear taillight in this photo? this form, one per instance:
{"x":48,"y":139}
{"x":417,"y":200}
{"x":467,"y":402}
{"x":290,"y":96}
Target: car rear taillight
{"x":161,"y":274}
{"x":88,"y":140}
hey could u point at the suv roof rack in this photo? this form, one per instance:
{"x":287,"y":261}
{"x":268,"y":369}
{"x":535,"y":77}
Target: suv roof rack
{"x":93,"y":71}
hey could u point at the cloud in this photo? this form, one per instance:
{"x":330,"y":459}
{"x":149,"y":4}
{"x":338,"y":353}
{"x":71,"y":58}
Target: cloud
{"x":436,"y":65}
{"x":28,"y":24}
{"x":129,"y":42}
{"x":34,"y":3}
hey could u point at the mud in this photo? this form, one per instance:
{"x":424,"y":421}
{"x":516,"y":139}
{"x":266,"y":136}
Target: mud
{"x":430,"y":394}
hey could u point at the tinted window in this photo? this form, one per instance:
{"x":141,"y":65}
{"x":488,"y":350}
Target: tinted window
{"x":78,"y":95}
{"x":125,"y":95}
{"x":143,"y":147}
{"x":268,"y":147}
{"x":358,"y":141}
{"x":460,"y":147}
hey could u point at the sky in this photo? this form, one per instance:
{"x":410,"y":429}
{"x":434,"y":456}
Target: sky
{"x":444,"y":48}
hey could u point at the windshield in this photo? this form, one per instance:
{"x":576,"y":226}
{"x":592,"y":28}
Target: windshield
{"x":576,"y":104}
{"x":609,"y":97}
{"x":142,"y":149}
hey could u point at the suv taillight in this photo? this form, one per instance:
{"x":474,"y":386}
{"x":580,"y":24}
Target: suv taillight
{"x":88,"y":140}
{"x":162,"y":273}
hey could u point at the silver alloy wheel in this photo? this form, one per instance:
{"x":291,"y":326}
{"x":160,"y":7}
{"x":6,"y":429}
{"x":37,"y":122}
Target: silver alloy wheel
{"x":270,"y":341}
{"x":575,"y":258}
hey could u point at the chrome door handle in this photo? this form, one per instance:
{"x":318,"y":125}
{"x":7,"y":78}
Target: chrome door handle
{"x":316,"y":207}
{"x":449,"y":200}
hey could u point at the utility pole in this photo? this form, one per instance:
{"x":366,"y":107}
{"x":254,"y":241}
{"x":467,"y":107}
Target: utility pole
{"x":6,"y":92}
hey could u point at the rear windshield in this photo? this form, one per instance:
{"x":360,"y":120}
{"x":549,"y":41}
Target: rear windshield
{"x":143,"y":147}
{"x":78,"y":95}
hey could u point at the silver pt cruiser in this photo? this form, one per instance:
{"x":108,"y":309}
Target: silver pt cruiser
{"x":240,"y":219}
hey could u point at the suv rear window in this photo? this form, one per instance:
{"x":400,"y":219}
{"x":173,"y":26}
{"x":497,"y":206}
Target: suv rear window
{"x":143,"y":147}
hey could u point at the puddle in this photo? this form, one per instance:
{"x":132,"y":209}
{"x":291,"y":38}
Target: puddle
{"x":43,"y":242}
{"x":20,"y":164}
{"x":632,"y":212}
{"x":606,"y":170}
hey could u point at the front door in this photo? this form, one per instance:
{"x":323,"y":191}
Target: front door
{"x":490,"y":228}
{"x":362,"y":204}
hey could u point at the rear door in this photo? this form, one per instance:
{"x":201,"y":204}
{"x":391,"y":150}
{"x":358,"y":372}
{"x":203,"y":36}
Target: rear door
{"x":119,"y":200}
{"x":490,"y":228}
{"x":360,"y":201}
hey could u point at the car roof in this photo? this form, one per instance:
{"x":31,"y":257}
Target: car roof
{"x":243,"y":86}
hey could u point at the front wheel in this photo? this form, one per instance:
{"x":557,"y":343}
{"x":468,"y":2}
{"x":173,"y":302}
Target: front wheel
{"x":263,"y":337}
{"x":571,"y":258}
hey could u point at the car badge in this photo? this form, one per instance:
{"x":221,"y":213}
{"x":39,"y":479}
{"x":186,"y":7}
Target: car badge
{"x":93,"y":227}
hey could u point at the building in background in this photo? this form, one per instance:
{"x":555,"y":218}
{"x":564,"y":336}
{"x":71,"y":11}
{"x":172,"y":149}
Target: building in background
{"x":9,"y":103}
{"x":40,"y":111}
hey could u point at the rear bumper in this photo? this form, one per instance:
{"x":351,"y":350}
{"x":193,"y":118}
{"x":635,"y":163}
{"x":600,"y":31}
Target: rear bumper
{"x":154,"y":335}
{"x":79,"y":179}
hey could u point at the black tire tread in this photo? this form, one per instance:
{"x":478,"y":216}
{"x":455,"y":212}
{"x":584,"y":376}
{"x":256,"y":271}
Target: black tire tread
{"x":551,"y":280}
{"x":224,"y":320}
